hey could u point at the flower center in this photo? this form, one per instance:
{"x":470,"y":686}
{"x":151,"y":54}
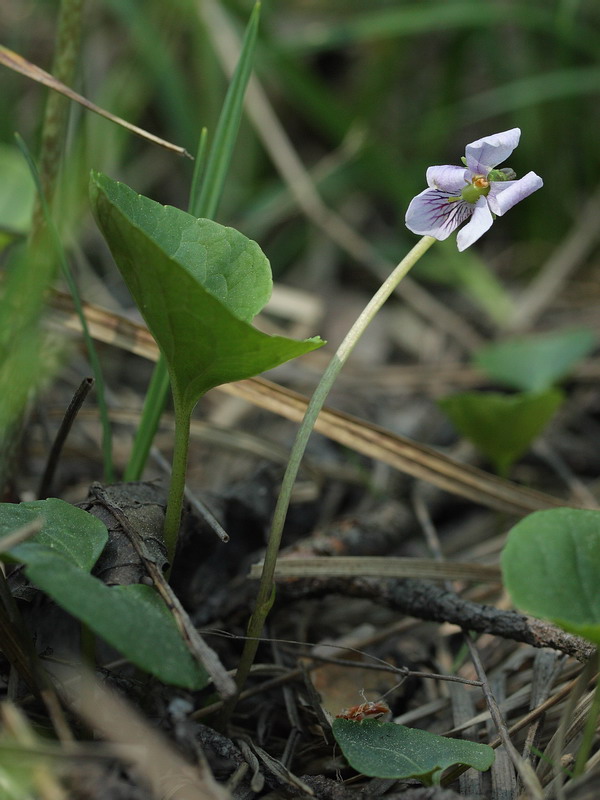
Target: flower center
{"x":479,"y":187}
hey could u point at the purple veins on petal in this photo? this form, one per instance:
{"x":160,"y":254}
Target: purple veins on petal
{"x":476,"y":194}
{"x":432,"y":213}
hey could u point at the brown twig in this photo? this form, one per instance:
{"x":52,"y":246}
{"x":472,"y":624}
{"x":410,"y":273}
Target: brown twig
{"x":428,"y":601}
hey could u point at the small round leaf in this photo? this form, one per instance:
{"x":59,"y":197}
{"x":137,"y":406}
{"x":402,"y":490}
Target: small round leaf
{"x":385,"y":750}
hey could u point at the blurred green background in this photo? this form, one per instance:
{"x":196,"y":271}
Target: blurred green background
{"x":370,"y":92}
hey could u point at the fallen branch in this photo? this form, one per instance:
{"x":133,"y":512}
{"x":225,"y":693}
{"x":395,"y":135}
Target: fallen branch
{"x":431,"y":602}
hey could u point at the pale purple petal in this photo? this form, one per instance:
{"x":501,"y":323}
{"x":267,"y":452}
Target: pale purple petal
{"x":505,"y":194}
{"x":431,"y":214}
{"x":479,"y":223}
{"x":486,"y":153}
{"x":447,"y":178}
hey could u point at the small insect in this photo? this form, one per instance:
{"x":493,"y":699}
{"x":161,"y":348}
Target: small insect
{"x":371,"y":708}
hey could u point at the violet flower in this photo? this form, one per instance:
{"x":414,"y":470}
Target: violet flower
{"x":476,"y":193}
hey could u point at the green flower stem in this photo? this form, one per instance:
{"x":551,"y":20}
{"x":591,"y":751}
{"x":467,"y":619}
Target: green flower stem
{"x":266,"y":589}
{"x":589,"y":732}
{"x":177,"y":487}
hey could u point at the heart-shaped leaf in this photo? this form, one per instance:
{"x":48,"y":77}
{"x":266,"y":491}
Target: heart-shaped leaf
{"x":551,"y":564}
{"x":535,"y":363}
{"x":502,"y":426}
{"x":385,"y":750}
{"x":68,"y":531}
{"x":197,"y":284}
{"x":133,"y":619}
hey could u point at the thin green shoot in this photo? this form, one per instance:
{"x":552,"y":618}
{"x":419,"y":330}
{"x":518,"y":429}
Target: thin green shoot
{"x":154,"y":405}
{"x":206,"y":203}
{"x":199,"y":167}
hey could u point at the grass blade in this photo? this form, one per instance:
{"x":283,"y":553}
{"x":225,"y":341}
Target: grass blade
{"x":206,"y":202}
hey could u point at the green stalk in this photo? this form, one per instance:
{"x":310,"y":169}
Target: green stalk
{"x":266,"y":589}
{"x":158,"y":390}
{"x":198,"y":173}
{"x":177,"y":485}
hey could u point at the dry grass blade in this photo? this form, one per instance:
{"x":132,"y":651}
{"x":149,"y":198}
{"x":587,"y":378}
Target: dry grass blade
{"x":399,"y":452}
{"x":378,"y":567}
{"x":168,"y":774}
{"x":19,"y":64}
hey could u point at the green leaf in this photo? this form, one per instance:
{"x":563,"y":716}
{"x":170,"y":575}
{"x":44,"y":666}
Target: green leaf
{"x":207,"y":186}
{"x":197,"y":284}
{"x":232,"y":268}
{"x":551,"y":564}
{"x":68,"y":532}
{"x":501,"y":426}
{"x":535,"y":363}
{"x":385,"y":750}
{"x":133,"y":619}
